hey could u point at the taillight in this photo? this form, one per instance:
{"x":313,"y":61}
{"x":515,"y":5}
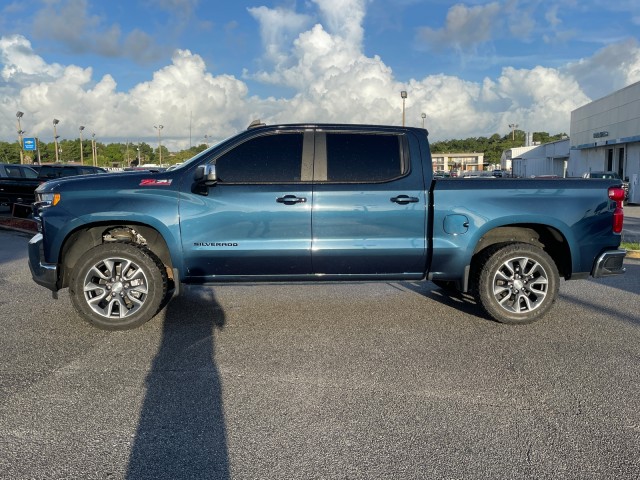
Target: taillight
{"x":617,"y":194}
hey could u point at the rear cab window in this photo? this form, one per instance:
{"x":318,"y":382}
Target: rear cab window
{"x":363,"y":158}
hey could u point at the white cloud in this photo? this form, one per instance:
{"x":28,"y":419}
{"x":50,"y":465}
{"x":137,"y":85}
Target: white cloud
{"x":217,"y":105}
{"x":465,"y":27}
{"x":344,"y":18}
{"x":70,"y":23}
{"x":20,"y":65}
{"x":609,"y":69}
{"x":278,"y":28}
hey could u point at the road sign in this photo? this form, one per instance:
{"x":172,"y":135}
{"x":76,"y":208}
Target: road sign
{"x":29,"y":143}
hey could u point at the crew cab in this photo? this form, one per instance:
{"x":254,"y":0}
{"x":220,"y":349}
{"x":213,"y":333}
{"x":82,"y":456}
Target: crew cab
{"x":320,"y":202}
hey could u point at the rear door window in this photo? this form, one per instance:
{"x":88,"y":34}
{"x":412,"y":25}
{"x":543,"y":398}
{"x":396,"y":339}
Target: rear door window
{"x":353,"y":157}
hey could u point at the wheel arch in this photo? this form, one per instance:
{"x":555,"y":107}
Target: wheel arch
{"x":88,"y":236}
{"x":546,"y":237}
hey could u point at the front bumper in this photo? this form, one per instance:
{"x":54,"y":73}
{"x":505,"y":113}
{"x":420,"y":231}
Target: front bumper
{"x":45,"y":274}
{"x":609,"y":263}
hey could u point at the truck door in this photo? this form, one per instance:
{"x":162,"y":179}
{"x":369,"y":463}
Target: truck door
{"x":369,"y":206}
{"x":257,"y":219}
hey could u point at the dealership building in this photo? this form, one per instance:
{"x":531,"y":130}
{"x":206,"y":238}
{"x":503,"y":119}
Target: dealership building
{"x":605,"y":135}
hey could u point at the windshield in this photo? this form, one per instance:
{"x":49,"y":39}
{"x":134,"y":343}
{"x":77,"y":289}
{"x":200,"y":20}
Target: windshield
{"x":204,"y":152}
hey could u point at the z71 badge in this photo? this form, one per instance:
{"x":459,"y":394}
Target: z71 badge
{"x":149,"y":182}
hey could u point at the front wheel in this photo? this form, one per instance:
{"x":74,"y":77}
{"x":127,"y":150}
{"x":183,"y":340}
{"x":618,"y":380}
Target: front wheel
{"x":118,"y":286}
{"x":516,"y":283}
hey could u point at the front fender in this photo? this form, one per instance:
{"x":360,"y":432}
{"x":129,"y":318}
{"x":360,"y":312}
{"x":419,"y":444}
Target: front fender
{"x":155,"y":209}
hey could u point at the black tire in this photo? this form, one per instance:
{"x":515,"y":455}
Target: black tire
{"x":516,"y":283}
{"x":118,"y":286}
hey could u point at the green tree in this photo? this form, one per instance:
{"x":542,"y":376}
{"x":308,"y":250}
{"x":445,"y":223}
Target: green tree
{"x":9,"y":152}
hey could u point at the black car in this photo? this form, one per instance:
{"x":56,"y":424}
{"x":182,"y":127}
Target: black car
{"x":49,"y":172}
{"x":17,"y":184}
{"x":14,"y":170}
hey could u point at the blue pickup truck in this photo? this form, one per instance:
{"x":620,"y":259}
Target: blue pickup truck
{"x":319,"y":203}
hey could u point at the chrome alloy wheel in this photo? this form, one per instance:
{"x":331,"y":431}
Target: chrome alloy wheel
{"x":520,"y":285}
{"x":115,"y":287}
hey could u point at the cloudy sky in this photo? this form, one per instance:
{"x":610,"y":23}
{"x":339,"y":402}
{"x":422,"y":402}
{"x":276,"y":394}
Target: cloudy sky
{"x":208,"y":68}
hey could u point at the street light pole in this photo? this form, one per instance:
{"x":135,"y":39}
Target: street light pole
{"x":424,"y":115}
{"x":81,"y":152}
{"x":93,"y":149}
{"x":513,"y":127}
{"x":55,"y":136}
{"x":20,"y":133}
{"x":159,"y":128}
{"x":403,"y":94}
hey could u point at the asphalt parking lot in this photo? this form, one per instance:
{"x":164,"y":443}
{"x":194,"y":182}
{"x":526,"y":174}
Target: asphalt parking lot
{"x":385,"y":380}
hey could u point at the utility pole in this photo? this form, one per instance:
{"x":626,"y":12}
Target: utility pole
{"x":20,"y":133}
{"x":159,"y":128}
{"x":403,"y":94}
{"x":55,"y":137}
{"x":81,"y":153}
{"x":513,"y":127}
{"x":94,"y":152}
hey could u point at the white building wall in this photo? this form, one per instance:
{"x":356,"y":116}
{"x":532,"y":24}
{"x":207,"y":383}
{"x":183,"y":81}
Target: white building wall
{"x":605,"y":135}
{"x":633,"y":172}
{"x":547,"y":159}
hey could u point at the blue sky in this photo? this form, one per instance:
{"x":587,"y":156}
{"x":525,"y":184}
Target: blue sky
{"x":201,"y":67}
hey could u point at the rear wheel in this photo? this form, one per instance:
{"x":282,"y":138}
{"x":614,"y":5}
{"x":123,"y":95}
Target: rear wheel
{"x":118,"y":286}
{"x":516,"y":283}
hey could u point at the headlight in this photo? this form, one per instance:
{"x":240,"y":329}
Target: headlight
{"x":47,"y":199}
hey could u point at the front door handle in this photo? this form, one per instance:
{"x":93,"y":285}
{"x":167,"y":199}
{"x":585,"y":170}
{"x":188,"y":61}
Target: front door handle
{"x":291,"y":200}
{"x":404,"y":199}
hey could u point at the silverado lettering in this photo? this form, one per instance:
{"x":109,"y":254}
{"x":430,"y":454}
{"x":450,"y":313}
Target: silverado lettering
{"x":314,"y":203}
{"x":214,"y":244}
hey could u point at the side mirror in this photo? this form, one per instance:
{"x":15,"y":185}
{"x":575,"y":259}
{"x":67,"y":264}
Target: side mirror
{"x":206,"y":175}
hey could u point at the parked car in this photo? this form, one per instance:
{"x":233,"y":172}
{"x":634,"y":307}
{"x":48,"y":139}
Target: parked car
{"x":59,"y":170}
{"x":610,"y":175}
{"x":17,"y":184}
{"x":14,"y":170}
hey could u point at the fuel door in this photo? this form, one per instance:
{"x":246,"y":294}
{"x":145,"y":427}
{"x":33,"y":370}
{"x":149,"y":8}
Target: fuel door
{"x":456,"y":224}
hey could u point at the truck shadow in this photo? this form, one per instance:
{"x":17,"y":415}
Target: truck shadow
{"x":181,"y":432}
{"x":462,"y":302}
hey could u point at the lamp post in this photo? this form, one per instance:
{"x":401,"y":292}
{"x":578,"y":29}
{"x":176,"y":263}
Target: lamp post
{"x":81,"y":128}
{"x":513,"y":127}
{"x":94,"y":152}
{"x":55,"y":136}
{"x":403,"y":94}
{"x":159,"y":128}
{"x":424,"y":115}
{"x":20,"y":133}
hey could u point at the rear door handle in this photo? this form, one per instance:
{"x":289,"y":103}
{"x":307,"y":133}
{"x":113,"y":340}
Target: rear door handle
{"x":404,"y":199}
{"x":291,"y":200}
